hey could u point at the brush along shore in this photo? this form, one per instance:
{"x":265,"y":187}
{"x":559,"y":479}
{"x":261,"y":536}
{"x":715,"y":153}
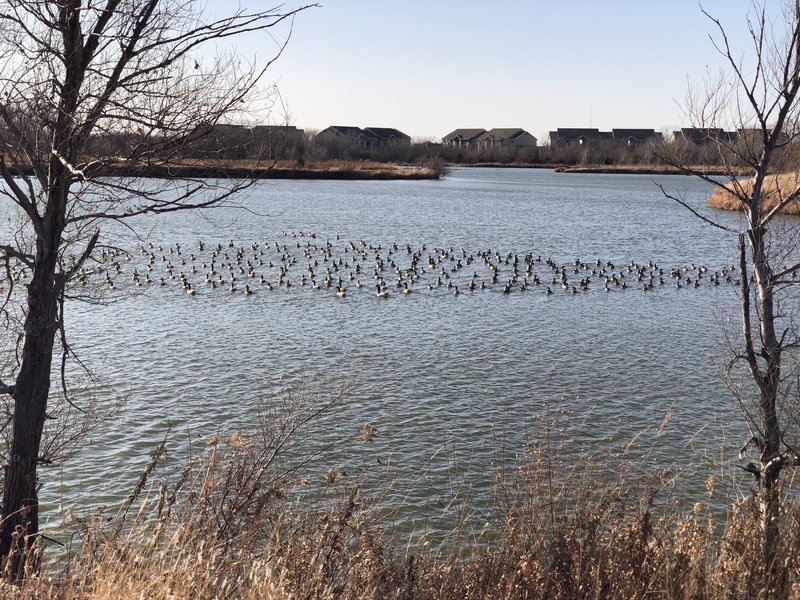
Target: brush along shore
{"x":248,"y":169}
{"x":232,"y":524}
{"x":777,"y":187}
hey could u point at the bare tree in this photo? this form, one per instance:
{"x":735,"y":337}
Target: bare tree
{"x":143,"y":72}
{"x":757,"y":99}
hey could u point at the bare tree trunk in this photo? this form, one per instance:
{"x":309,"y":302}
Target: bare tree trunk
{"x":74,"y":73}
{"x":761,"y":105}
{"x":769,"y":500}
{"x":20,"y":496}
{"x":769,"y":508}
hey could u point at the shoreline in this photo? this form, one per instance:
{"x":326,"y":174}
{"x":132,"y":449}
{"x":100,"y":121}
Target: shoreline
{"x":776,"y":188}
{"x":601,"y":169}
{"x":242,"y":170}
{"x":368,"y":171}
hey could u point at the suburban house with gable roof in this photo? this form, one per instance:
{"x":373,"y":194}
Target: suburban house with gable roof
{"x":586,"y":135}
{"x":245,"y":141}
{"x":463,"y":138}
{"x":341,"y":133}
{"x":480,"y":139}
{"x":381,"y":137}
{"x":634,"y":137}
{"x":370,"y":138}
{"x":704,"y":135}
{"x":507,"y":138}
{"x":579,"y":135}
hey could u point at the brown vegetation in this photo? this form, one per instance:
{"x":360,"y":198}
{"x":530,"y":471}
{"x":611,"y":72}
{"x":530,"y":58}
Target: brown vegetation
{"x":776,"y":188}
{"x":284,"y":169}
{"x":636,"y":169}
{"x":231,"y":525}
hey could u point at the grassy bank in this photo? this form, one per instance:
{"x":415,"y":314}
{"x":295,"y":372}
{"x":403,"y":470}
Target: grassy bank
{"x":641,"y":169}
{"x":625,"y":169}
{"x":341,"y":170}
{"x":248,"y":169}
{"x":776,"y":188}
{"x":238,"y":522}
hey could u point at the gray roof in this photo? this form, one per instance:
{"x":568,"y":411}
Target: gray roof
{"x":569,"y":134}
{"x":698,"y":135}
{"x":465,"y":135}
{"x":342,"y":130}
{"x":385,"y":133}
{"x":638,"y":134}
{"x":505,"y":133}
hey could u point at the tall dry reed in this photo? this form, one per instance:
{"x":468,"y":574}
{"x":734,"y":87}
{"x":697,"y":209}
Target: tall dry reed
{"x":239,"y":522}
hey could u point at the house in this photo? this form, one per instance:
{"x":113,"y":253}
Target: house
{"x":704,"y":135}
{"x":341,"y":133}
{"x":463,"y":138}
{"x":635,"y":137}
{"x":381,"y":137}
{"x":370,"y":138}
{"x":277,"y":135}
{"x":581,"y":136}
{"x":244,"y":141}
{"x":507,"y":138}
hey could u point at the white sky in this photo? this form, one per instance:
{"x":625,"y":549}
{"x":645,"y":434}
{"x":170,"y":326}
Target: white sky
{"x":427,"y":67}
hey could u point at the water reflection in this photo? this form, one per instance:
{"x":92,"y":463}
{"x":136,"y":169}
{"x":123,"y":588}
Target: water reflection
{"x":446,"y":379}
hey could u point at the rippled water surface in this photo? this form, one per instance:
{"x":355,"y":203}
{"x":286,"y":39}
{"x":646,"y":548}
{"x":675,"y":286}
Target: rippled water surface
{"x":445,"y":378}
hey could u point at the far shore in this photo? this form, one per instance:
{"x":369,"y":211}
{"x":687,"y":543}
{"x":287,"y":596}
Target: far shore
{"x":356,"y":169}
{"x":385,"y":172}
{"x":622,"y":169}
{"x":246,"y":169}
{"x":646,"y":170}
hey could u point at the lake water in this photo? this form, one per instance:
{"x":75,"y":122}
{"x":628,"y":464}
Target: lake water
{"x":447,"y":379}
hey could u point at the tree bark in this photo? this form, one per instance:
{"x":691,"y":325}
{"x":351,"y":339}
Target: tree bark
{"x":72,"y":68}
{"x":769,"y":500}
{"x":31,"y":392}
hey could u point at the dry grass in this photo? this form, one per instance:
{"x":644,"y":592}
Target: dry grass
{"x":658,"y":168}
{"x":233,"y":524}
{"x":326,"y":165}
{"x":776,"y":188}
{"x":284,"y":169}
{"x":327,"y":169}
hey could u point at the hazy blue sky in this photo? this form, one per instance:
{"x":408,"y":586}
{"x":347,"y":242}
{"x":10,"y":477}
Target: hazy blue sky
{"x":427,"y":67}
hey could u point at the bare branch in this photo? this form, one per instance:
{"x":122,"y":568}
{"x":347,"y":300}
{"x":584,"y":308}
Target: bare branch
{"x":749,"y":350}
{"x":695,"y":212}
{"x":71,"y":70}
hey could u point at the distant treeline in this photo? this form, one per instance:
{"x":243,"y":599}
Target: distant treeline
{"x":304,"y":148}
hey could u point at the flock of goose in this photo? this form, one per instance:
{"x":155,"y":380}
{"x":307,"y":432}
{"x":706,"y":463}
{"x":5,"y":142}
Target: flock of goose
{"x":343,"y":267}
